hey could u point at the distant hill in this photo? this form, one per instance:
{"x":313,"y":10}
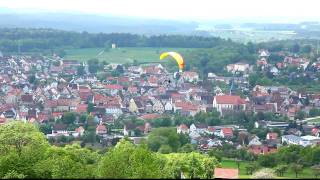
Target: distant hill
{"x":94,"y":23}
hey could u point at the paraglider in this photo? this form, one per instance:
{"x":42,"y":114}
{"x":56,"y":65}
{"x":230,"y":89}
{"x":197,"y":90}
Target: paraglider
{"x":176,"y":56}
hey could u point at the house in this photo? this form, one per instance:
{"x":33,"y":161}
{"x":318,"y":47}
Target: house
{"x":262,"y":62}
{"x":128,"y":129}
{"x":272,"y":136}
{"x":315,"y":132}
{"x":200,"y":128}
{"x":238,"y":67}
{"x":264,"y":53}
{"x":255,"y":141}
{"x":303,"y":141}
{"x":145,"y":128}
{"x":27,"y":99}
{"x":150,"y":116}
{"x":113,"y":109}
{"x":157,"y":106}
{"x":229,"y":102}
{"x":81,"y":108}
{"x":226,"y":173}
{"x":274,"y":71}
{"x":226,"y":133}
{"x":168,"y":107}
{"x":133,"y":106}
{"x":182,"y":128}
{"x":190,"y":76}
{"x":101,"y":129}
{"x":80,"y":131}
{"x":261,"y":149}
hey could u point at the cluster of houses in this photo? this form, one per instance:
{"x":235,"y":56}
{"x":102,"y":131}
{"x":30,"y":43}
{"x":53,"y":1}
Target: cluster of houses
{"x":40,"y":89}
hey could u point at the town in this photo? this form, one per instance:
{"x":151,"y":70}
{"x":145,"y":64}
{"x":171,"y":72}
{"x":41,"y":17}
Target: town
{"x":69,"y":103}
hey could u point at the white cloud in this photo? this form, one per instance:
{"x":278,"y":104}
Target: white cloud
{"x":178,"y":9}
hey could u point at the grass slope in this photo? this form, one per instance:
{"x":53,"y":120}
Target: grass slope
{"x":229,"y":163}
{"x":120,"y":55}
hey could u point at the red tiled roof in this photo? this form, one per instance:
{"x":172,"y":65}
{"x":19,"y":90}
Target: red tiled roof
{"x":183,"y":126}
{"x":51,"y":103}
{"x":227,"y":131}
{"x":226,"y":173}
{"x":101,"y":127}
{"x":2,"y":120}
{"x":82,"y":108}
{"x":315,"y":131}
{"x":113,"y":86}
{"x":229,"y":99}
{"x":189,"y":74}
{"x":149,"y":116}
{"x":272,"y":135}
{"x":187,"y":106}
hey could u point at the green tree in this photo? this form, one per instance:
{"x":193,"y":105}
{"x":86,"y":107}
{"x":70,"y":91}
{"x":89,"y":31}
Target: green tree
{"x":165,"y":149}
{"x":71,"y":161}
{"x":90,"y":107}
{"x":166,"y":136}
{"x":306,"y":49}
{"x":131,"y":162}
{"x":80,"y":70}
{"x":68,"y":118}
{"x":296,"y":168}
{"x":281,"y":169}
{"x":21,"y":147}
{"x":94,"y":66}
{"x":316,"y":170}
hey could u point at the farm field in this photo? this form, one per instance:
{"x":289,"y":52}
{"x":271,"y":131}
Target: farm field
{"x":120,"y":55}
{"x":229,"y":163}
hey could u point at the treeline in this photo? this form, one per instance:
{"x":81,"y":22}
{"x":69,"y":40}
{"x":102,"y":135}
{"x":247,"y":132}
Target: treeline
{"x":44,"y":39}
{"x":25,"y":153}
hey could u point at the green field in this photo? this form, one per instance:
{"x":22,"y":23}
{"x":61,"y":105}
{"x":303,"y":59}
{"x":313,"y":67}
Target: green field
{"x":244,"y":36}
{"x":227,"y":163}
{"x":120,"y":55}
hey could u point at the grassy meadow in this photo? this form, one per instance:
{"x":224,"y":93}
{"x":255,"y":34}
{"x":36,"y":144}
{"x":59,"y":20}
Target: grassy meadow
{"x":229,"y":163}
{"x":120,"y":55}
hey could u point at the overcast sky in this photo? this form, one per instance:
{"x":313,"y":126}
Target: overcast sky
{"x":178,"y":9}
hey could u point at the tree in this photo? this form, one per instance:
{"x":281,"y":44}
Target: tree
{"x":300,"y":115}
{"x":192,"y":165}
{"x":316,"y":170}
{"x":281,"y":169}
{"x":21,"y":147}
{"x":268,"y":160}
{"x":14,"y":175}
{"x":187,"y":148}
{"x":94,"y":66}
{"x":131,"y":162}
{"x":80,"y":70}
{"x":90,"y":107}
{"x":250,"y":168}
{"x":61,"y":53}
{"x":32,"y":79}
{"x":165,"y":149}
{"x":295,"y":48}
{"x":314,"y":112}
{"x":306,"y":49}
{"x":166,"y":136}
{"x":68,"y":118}
{"x":296,"y":168}
{"x":71,"y":161}
{"x":265,"y":173}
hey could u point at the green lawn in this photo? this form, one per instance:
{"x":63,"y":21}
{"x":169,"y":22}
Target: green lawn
{"x":315,"y":120}
{"x":228,"y":163}
{"x":120,"y":55}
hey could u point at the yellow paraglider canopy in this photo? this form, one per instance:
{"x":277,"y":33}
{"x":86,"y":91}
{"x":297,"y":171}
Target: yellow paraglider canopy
{"x":176,"y":56}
